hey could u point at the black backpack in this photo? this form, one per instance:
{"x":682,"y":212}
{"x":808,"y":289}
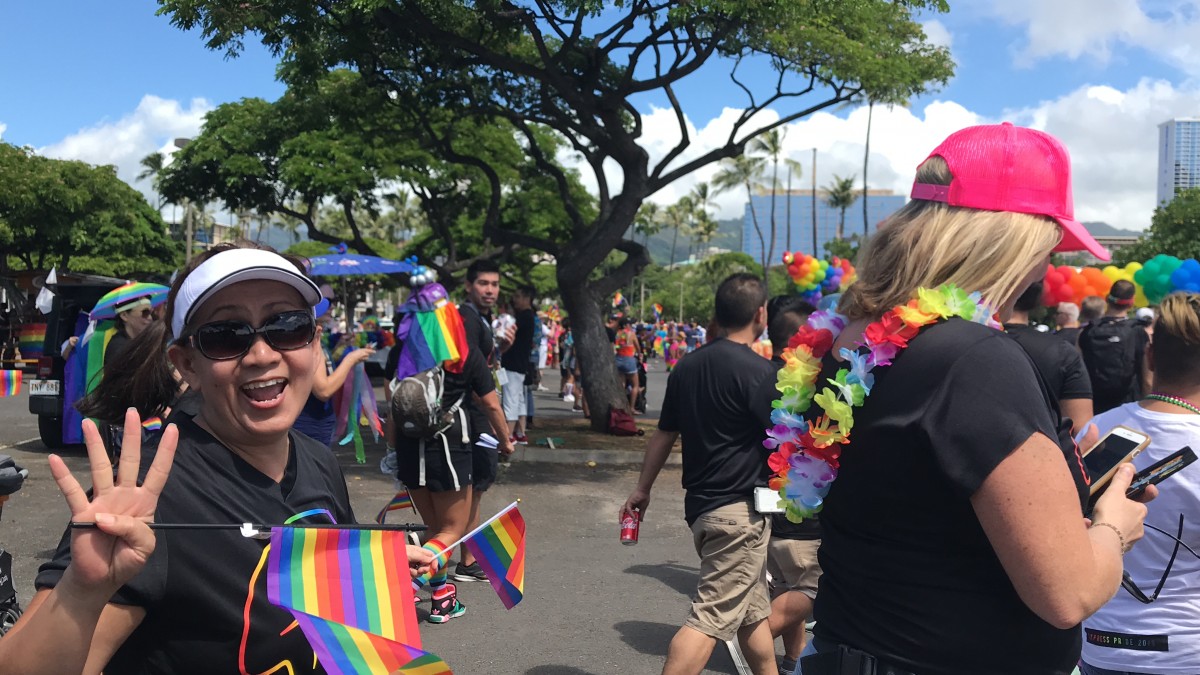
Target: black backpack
{"x":1109,"y":349}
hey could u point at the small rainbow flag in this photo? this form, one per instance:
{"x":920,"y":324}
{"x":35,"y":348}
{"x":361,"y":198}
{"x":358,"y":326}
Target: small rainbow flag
{"x":10,"y":383}
{"x":499,"y":546}
{"x":152,"y":424}
{"x":618,"y":299}
{"x":31,"y":338}
{"x":658,"y":309}
{"x":350,"y":593}
{"x":402,"y":500}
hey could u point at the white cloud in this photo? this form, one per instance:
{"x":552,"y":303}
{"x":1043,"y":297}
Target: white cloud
{"x":1168,"y":29}
{"x":1112,"y":136}
{"x":938,"y":34}
{"x":3,"y":126}
{"x":153,"y":125}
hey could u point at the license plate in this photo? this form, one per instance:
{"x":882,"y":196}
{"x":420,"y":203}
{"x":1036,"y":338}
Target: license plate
{"x":44,"y":387}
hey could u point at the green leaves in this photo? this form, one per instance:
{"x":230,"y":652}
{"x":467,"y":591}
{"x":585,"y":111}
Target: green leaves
{"x":1174,"y":230}
{"x":81,"y":217}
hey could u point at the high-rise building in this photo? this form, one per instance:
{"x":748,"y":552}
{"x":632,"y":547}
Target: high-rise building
{"x":794,"y":221}
{"x":1178,"y":157}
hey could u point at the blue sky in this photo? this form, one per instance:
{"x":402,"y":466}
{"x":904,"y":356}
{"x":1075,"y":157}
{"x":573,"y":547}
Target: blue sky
{"x":110,"y":81}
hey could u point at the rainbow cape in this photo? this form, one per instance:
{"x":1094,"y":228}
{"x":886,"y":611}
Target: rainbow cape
{"x":350,"y":593}
{"x":10,"y":383}
{"x":430,"y":333}
{"x":402,"y":500}
{"x":356,"y":407}
{"x":499,"y":546}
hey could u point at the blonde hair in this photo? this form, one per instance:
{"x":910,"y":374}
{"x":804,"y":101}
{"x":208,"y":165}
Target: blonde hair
{"x":1177,"y":339}
{"x":927,"y":243}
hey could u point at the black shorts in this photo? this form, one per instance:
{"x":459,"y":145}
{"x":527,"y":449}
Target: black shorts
{"x":485,"y":468}
{"x":447,"y":465}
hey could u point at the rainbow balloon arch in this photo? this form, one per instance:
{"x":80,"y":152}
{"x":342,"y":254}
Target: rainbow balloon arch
{"x":1154,"y":279}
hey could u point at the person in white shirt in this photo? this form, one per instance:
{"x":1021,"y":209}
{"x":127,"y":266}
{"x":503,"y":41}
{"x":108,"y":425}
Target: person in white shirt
{"x":1162,"y":637}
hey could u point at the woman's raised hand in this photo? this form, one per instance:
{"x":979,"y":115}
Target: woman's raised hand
{"x":104,"y":559}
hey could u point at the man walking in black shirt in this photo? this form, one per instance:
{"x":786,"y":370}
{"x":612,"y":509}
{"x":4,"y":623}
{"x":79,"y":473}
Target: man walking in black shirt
{"x":483,"y":289}
{"x":1059,"y":364}
{"x":1114,"y":349}
{"x":710,"y":403}
{"x":514,"y":363}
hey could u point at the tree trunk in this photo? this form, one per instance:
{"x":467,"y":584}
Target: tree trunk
{"x":595,"y":353}
{"x":841,"y":228}
{"x":788,"y":210}
{"x":774,"y":230}
{"x":866,"y":157}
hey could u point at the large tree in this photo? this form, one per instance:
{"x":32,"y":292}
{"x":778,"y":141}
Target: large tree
{"x":78,"y":217}
{"x":1174,"y":230}
{"x":576,"y":67}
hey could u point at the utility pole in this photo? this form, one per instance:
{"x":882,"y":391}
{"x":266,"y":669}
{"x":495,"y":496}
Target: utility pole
{"x":681,"y":302}
{"x":642,"y":300}
{"x":814,"y":203}
{"x":188,"y":229}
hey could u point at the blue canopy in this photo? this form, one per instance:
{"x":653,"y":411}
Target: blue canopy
{"x":341,"y":263}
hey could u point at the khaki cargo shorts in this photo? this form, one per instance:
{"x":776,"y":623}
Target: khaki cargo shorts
{"x":732,"y":589}
{"x":793,"y":564}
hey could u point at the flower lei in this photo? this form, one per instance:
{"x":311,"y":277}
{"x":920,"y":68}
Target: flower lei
{"x":805,"y":461}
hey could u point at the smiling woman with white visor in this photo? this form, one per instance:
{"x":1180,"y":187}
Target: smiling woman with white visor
{"x":124,"y":599}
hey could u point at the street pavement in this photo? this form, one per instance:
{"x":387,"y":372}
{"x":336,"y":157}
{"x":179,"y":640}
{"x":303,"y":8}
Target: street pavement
{"x":591,"y":606}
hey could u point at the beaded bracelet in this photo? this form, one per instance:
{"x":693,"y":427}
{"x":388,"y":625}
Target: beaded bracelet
{"x":1120,"y":536}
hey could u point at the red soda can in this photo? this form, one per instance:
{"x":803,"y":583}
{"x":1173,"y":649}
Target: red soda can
{"x":629,"y":527}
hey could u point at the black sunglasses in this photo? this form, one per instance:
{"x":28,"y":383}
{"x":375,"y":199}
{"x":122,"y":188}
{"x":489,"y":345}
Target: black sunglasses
{"x":225,"y":340}
{"x":1132,"y":588}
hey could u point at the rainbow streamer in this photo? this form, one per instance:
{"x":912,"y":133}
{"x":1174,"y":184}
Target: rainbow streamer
{"x":10,"y":383}
{"x":356,"y":407}
{"x":499,"y":546}
{"x":402,"y":500}
{"x":350,"y":593}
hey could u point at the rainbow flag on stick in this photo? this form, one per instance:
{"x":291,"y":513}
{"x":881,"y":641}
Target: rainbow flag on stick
{"x":352,"y":597}
{"x":618,"y":299}
{"x":402,"y":500}
{"x":499,"y":546}
{"x":658,"y":309}
{"x":10,"y":383}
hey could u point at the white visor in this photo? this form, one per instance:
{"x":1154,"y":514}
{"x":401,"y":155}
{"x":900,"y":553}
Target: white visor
{"x":231,"y":267}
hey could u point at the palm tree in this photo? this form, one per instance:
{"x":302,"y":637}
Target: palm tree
{"x":152,"y":168}
{"x":677,"y":217}
{"x":867,"y":156}
{"x":701,"y":199}
{"x":841,"y":197}
{"x":742,"y":171}
{"x":793,"y":167}
{"x":704,"y":230}
{"x":770,"y":145}
{"x":648,"y":221}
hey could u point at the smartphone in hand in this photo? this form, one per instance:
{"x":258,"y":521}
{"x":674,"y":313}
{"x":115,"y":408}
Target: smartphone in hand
{"x":1120,"y":445}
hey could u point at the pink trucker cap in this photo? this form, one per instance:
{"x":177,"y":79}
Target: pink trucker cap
{"x":1000,"y":167}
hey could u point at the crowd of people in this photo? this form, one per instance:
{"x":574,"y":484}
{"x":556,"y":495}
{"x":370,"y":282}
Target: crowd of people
{"x":904,"y":465}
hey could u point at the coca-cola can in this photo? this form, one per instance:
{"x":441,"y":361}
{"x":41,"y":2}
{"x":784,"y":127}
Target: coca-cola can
{"x":629,"y":527}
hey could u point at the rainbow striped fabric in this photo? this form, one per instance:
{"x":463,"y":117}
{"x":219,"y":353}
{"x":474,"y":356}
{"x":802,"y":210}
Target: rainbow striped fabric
{"x":430,"y":333}
{"x":658,"y":310}
{"x":10,"y":383}
{"x":499,"y":546}
{"x":351,"y":595}
{"x":618,"y":299}
{"x":402,"y":500}
{"x":343,"y":650}
{"x":31,"y":337}
{"x":152,"y":424}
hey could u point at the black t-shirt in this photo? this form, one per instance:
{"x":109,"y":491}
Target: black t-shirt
{"x":479,"y":339}
{"x":116,"y":346}
{"x":1059,"y":364}
{"x":909,"y":574}
{"x":196,"y":586}
{"x":516,"y":359}
{"x":1070,"y":335}
{"x":710,"y":400}
{"x":781,"y":527}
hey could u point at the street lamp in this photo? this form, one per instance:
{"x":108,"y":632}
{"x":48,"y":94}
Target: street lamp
{"x":188,"y":226}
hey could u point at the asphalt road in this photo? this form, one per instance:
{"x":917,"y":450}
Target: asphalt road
{"x":592,"y":606}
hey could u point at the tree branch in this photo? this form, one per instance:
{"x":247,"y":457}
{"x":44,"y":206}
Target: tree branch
{"x":636,"y":258}
{"x":578,"y":224}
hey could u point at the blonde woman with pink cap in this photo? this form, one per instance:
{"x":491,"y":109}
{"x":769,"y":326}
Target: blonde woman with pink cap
{"x":953,"y":532}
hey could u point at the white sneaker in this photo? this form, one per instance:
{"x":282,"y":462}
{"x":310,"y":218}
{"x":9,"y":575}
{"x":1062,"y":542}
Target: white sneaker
{"x":388,"y":465}
{"x":569,"y":398}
